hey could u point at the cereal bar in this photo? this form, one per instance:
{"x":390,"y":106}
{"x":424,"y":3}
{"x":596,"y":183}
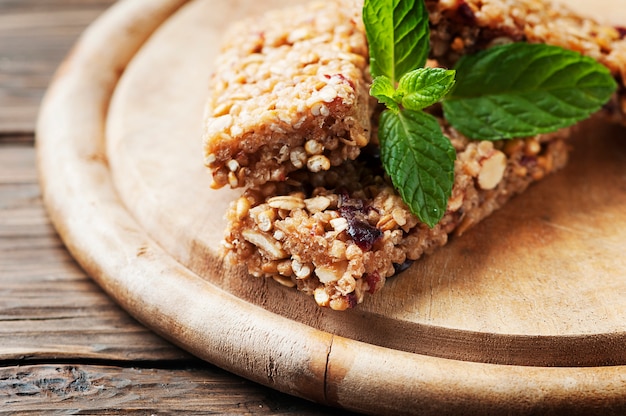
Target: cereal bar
{"x":459,"y":27}
{"x":319,"y":213}
{"x":338,"y":234}
{"x":289,"y":91}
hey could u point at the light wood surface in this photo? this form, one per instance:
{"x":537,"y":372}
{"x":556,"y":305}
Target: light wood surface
{"x":523,"y":313}
{"x":535,"y":285}
{"x":65,"y":346}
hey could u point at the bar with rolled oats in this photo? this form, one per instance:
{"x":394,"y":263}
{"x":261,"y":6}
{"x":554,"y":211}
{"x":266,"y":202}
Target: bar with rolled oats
{"x":337,"y":230}
{"x":289,"y":91}
{"x":338,"y":234}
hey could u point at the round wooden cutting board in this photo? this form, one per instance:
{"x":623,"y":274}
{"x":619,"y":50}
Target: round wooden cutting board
{"x":524,"y":313}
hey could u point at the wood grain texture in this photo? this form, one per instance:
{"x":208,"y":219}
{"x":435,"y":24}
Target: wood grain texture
{"x":48,"y":307}
{"x":539,"y":284}
{"x":97,"y":389}
{"x":52,"y":313}
{"x":35,"y":37}
{"x":65,"y":347}
{"x":74,"y":112}
{"x":142,"y":250}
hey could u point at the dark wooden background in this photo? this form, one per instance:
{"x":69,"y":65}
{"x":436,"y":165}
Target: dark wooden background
{"x":65,"y":347}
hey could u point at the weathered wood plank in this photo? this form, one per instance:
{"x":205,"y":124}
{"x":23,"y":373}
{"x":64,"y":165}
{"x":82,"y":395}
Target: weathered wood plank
{"x":35,"y":37}
{"x":72,"y":389}
{"x":9,"y":5}
{"x":49,"y":308}
{"x":16,"y":163}
{"x":50,"y":311}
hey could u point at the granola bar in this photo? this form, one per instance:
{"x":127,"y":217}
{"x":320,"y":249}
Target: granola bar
{"x":459,"y":27}
{"x":338,"y":234}
{"x":290,"y":91}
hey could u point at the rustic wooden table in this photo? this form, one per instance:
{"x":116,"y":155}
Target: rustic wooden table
{"x":65,"y":347}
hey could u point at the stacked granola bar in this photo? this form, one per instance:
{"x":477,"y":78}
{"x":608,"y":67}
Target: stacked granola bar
{"x":290,"y":118}
{"x":338,"y":234}
{"x":290,"y":91}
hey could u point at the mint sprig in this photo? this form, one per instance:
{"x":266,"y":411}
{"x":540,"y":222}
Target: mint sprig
{"x":523,"y":89}
{"x":415,"y":151}
{"x":416,"y":155}
{"x":398,"y":36}
{"x":509,"y":91}
{"x":384,"y":91}
{"x":424,"y":87}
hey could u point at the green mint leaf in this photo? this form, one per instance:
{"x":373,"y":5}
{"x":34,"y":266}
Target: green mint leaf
{"x":383,"y":90}
{"x":523,"y":89}
{"x":398,"y":35}
{"x":420,"y":161}
{"x":424,"y":87}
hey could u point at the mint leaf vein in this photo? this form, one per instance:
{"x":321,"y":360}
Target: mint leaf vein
{"x":523,"y":89}
{"x":398,"y":36}
{"x":419,"y":160}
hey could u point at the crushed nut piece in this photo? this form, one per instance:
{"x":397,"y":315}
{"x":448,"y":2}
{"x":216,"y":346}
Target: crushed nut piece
{"x":302,"y":271}
{"x":321,"y":297}
{"x":288,"y":202}
{"x":317,"y":204}
{"x":318,"y":163}
{"x":492,"y":170}
{"x":266,"y":244}
{"x":284,"y":281}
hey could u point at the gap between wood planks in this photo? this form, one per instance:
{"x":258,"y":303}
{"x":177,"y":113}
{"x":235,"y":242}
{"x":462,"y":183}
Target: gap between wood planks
{"x":9,"y":138}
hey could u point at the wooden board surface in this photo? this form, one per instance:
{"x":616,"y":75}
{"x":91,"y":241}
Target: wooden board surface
{"x":538,"y":285}
{"x":65,"y":346}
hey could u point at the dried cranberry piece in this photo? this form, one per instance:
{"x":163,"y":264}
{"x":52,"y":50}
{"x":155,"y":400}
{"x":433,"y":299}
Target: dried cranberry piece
{"x":466,"y":14}
{"x":342,"y":78}
{"x":352,"y":300}
{"x":351,"y":206}
{"x":528,"y":161}
{"x":363,"y":233}
{"x":621,"y":30}
{"x":373,"y":281}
